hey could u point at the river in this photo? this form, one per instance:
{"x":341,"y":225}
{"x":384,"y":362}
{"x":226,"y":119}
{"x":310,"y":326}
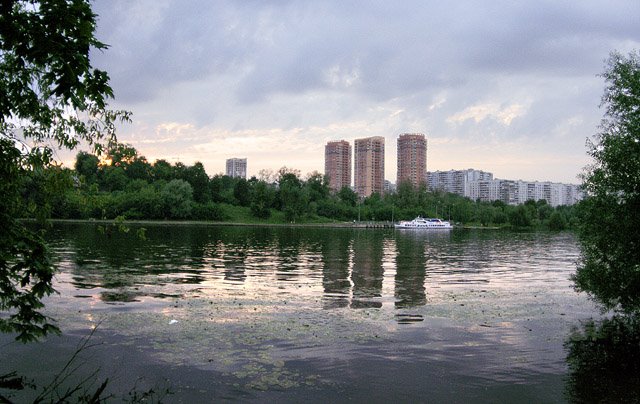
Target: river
{"x":214,"y":313}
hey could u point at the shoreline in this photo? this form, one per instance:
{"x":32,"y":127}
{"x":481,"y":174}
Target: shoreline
{"x":341,"y":225}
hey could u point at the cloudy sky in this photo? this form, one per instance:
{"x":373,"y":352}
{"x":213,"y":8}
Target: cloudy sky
{"x":509,"y":87}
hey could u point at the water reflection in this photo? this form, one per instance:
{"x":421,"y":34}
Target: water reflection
{"x":604,"y":361}
{"x":337,"y":252}
{"x":410,"y":268}
{"x":271,"y":305}
{"x":356,"y":269}
{"x":367,"y":273}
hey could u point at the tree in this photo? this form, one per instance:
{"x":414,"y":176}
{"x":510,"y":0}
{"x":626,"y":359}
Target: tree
{"x":241,"y":192}
{"x":114,"y":178}
{"x":557,"y":221}
{"x":485,"y":214}
{"x":177,"y":197}
{"x":519,"y":217}
{"x":49,"y":95}
{"x":317,"y":186}
{"x":139,"y":169}
{"x":348,"y":196}
{"x":261,"y":199}
{"x":406,"y":195}
{"x":121,"y":154}
{"x":609,"y":232}
{"x":87,"y":166}
{"x":162,"y":170}
{"x":292,"y":200}
{"x":199,"y":180}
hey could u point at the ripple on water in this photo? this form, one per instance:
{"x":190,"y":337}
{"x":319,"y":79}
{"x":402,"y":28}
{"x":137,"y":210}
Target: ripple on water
{"x":283,"y":309}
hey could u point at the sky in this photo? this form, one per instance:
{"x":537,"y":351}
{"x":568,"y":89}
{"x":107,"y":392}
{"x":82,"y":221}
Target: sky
{"x":509,"y":87}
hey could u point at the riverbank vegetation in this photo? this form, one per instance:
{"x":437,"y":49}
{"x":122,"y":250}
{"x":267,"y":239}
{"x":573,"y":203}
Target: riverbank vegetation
{"x":50,"y":98}
{"x":125,"y":185}
{"x":610,"y":221}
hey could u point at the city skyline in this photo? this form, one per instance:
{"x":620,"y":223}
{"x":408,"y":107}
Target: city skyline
{"x":510,"y":88}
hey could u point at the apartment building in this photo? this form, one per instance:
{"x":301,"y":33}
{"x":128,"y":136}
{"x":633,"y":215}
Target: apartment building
{"x":337,"y":164}
{"x":412,"y":159}
{"x":456,"y":181}
{"x":369,"y":166}
{"x":518,"y":192}
{"x":237,"y":168}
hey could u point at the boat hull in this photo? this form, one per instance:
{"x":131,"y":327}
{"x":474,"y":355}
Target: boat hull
{"x":420,"y":223}
{"x":400,"y":226}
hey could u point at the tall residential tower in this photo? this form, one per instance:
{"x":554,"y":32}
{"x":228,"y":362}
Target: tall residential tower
{"x":237,"y":168}
{"x":337,"y":164}
{"x":412,"y":159}
{"x":369,"y":166}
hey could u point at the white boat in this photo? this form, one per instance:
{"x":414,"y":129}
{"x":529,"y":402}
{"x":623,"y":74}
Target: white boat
{"x":423,"y":223}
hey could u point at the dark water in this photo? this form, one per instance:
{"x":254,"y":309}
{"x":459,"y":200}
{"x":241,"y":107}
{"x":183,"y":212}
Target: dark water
{"x":315,"y":315}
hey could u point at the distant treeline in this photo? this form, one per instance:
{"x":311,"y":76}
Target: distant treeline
{"x":126,"y":185}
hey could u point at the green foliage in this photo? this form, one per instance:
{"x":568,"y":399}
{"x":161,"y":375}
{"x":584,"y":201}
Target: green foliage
{"x":25,"y":278}
{"x":609,"y":233}
{"x":49,"y":95}
{"x":241,"y":192}
{"x":196,"y":176}
{"x":114,"y":178}
{"x":485,"y":214}
{"x":162,"y":170}
{"x":544,"y":212}
{"x":262,"y":197}
{"x":177,"y":198}
{"x":114,"y":193}
{"x":209,"y":211}
{"x":557,"y":221}
{"x":106,"y":191}
{"x":292,"y":199}
{"x":317,"y":187}
{"x":87,"y":166}
{"x":604,"y":361}
{"x":520,"y":217}
{"x":348,"y":196}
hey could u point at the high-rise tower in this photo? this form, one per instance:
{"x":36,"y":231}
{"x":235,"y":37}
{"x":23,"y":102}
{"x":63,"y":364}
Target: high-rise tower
{"x":337,"y":164}
{"x":237,"y":168}
{"x":412,"y":159}
{"x":369,"y":166}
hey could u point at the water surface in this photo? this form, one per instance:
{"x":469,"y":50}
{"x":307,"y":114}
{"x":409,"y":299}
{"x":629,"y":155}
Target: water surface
{"x":315,"y":314}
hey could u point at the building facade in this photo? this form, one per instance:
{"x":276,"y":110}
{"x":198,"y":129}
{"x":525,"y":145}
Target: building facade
{"x":237,"y":168}
{"x":412,"y":159}
{"x":369,"y":166}
{"x":337,"y":164}
{"x":480,"y":185}
{"x":456,"y":181}
{"x":518,"y":192}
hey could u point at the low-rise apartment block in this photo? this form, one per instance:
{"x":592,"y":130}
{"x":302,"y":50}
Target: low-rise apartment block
{"x":480,"y":185}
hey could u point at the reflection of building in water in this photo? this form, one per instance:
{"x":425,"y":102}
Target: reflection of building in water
{"x":234,"y":267}
{"x":367,"y":273}
{"x":232,"y":257}
{"x":336,"y":252}
{"x":410,"y":271}
{"x":289,"y":254}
